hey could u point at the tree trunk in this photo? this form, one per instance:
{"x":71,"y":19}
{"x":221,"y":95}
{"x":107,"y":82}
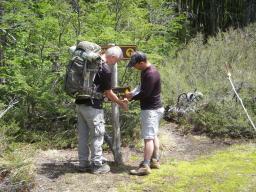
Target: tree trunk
{"x":2,"y":38}
{"x":76,"y":8}
{"x":2,"y":43}
{"x":211,"y":15}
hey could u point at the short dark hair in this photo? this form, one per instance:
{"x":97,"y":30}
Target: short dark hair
{"x":137,"y":57}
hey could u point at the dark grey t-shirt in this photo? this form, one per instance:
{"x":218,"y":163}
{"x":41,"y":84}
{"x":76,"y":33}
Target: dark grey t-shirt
{"x":149,"y":94}
{"x":102,"y":82}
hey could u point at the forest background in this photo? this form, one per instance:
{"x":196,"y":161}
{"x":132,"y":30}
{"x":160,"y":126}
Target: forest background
{"x":189,"y":41}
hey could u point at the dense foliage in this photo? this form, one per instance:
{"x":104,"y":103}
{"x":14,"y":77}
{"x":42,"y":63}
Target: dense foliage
{"x":202,"y":66}
{"x":35,"y":36}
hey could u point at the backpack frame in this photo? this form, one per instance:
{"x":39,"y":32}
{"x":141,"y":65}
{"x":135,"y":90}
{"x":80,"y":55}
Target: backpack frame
{"x":82,"y":69}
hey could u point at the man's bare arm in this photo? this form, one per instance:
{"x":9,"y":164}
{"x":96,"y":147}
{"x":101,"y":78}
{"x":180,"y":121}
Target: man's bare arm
{"x":113,"y":97}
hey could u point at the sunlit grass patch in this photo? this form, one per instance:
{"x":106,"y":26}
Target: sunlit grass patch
{"x":134,"y":158}
{"x":16,"y":164}
{"x":229,"y":170}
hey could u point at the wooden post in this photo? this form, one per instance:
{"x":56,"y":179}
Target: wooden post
{"x":115,"y":122}
{"x":114,"y":142}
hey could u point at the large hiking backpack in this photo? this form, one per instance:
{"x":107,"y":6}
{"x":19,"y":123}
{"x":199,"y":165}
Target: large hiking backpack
{"x":81,"y":70}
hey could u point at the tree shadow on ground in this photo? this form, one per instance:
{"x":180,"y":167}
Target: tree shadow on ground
{"x":53,"y":170}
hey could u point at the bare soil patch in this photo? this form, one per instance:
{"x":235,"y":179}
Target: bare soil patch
{"x":56,"y":169}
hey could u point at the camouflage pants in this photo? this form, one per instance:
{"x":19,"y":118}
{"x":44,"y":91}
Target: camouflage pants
{"x":91,"y":129}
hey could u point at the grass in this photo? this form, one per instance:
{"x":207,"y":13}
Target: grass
{"x":228,"y":171}
{"x":16,"y":164}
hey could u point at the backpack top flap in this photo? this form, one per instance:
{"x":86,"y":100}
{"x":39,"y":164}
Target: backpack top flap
{"x":89,"y":47}
{"x":89,"y":52}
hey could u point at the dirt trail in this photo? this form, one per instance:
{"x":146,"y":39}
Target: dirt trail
{"x":56,"y":169}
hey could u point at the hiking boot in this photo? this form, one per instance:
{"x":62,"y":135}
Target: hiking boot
{"x":143,"y":169}
{"x":104,"y":160}
{"x":154,"y":164}
{"x":100,"y":169}
{"x":84,"y":166}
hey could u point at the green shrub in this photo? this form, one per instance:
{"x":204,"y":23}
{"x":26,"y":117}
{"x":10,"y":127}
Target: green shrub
{"x":222,"y":119}
{"x":16,"y":167}
{"x":202,"y":65}
{"x":129,"y":123}
{"x":17,"y":172}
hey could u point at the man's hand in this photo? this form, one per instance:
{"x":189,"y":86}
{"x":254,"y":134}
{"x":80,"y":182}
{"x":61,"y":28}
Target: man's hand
{"x":113,"y":97}
{"x":129,"y":95}
{"x":124,"y":104}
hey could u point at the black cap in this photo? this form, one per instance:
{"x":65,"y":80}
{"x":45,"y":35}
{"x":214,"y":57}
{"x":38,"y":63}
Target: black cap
{"x":137,"y":57}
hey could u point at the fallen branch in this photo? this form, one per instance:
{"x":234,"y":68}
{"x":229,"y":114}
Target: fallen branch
{"x":11,"y":104}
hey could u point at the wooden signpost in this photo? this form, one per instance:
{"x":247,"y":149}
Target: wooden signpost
{"x":116,"y":140}
{"x":127,"y":50}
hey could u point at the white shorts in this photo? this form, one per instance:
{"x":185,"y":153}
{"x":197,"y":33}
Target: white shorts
{"x":150,"y":122}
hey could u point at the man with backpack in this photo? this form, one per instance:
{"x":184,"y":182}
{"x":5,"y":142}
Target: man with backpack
{"x":151,"y":111}
{"x":91,"y":123}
